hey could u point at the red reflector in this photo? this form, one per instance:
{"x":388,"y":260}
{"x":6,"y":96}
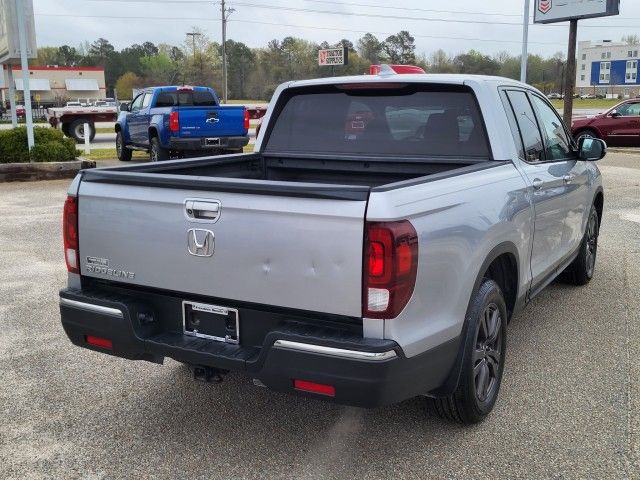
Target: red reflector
{"x":246,"y":119}
{"x":70,"y":234}
{"x":99,"y":342}
{"x":312,"y":387}
{"x":174,"y":121}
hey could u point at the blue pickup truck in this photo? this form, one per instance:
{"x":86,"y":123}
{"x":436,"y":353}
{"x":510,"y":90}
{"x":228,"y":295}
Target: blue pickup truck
{"x":178,"y":121}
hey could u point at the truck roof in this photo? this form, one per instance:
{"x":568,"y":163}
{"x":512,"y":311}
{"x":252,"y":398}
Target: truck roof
{"x":453,"y":79}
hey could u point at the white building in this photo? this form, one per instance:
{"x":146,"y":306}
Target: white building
{"x":608,"y":68}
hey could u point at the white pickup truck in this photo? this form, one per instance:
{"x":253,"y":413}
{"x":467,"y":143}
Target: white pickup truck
{"x":372,"y":249}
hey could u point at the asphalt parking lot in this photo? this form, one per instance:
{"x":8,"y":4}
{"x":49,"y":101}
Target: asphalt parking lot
{"x":569,"y":405}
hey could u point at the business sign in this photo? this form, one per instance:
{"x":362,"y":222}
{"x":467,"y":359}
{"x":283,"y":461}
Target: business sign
{"x":9,"y":38}
{"x":550,"y":11}
{"x":333,"y":56}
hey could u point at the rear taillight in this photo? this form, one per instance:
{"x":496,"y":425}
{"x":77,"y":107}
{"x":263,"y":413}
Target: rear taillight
{"x":246,"y":119}
{"x":174,"y":121}
{"x":70,"y":234}
{"x":390,"y":268}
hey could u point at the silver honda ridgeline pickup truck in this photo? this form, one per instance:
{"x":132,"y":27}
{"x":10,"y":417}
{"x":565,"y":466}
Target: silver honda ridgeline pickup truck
{"x":372,"y":248}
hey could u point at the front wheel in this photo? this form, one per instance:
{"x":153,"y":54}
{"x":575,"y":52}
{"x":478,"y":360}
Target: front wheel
{"x":585,"y":134}
{"x":484,"y":346}
{"x":124,"y":154}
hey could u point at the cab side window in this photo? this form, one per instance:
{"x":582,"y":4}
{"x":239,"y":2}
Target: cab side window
{"x":137,"y":103}
{"x":558,"y":145}
{"x":147,"y":100}
{"x":527,"y":125}
{"x":629,"y":110}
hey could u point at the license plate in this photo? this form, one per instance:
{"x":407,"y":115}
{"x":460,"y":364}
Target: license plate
{"x":213,"y":322}
{"x":212,"y":141}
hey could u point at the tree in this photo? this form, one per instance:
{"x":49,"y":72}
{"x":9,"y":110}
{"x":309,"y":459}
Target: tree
{"x":126,"y":83}
{"x":631,"y":39}
{"x":400,"y":48}
{"x":476,"y":63}
{"x":46,"y":56}
{"x":159,"y":69}
{"x":371,"y":49}
{"x":240,"y":64}
{"x":68,"y":56}
{"x":440,"y":62}
{"x":101,"y":49}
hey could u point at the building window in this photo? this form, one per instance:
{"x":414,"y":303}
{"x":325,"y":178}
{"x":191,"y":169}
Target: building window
{"x":630,"y":53}
{"x":635,"y":53}
{"x":583,"y":67}
{"x":602,"y":76}
{"x":606,"y":76}
{"x":582,"y":78}
{"x":608,"y":54}
{"x":584,"y":56}
{"x":604,"y":55}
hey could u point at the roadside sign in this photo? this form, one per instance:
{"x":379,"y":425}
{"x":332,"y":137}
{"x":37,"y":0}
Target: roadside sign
{"x":333,"y":56}
{"x":9,"y":38}
{"x":551,"y":11}
{"x":37,"y":97}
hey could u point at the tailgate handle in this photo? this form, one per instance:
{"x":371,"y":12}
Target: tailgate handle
{"x":207,"y":210}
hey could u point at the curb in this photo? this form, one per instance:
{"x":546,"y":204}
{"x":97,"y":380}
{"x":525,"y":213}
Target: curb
{"x":29,"y":172}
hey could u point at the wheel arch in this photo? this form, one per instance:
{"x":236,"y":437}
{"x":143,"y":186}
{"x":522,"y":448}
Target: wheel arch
{"x":587,"y":128}
{"x":502,"y":266}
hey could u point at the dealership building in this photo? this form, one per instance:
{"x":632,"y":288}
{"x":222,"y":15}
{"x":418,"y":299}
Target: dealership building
{"x":608,"y":68}
{"x":53,"y":85}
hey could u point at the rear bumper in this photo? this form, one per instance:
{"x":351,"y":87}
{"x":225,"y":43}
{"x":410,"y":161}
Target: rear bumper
{"x":364,"y":372}
{"x":212,"y":144}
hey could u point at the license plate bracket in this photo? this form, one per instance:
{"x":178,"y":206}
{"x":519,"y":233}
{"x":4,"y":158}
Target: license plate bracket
{"x":214,"y":322}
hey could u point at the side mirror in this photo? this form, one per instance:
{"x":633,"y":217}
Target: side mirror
{"x":615,"y":114}
{"x":592,"y":149}
{"x":124,"y":107}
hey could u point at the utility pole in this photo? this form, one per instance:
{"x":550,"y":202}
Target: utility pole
{"x":570,"y":78}
{"x":24,"y":65}
{"x":525,"y":43}
{"x":193,"y":36}
{"x":226,"y":12}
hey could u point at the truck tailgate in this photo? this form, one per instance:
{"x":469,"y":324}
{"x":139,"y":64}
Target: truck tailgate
{"x":303,"y":253}
{"x":212,"y":121}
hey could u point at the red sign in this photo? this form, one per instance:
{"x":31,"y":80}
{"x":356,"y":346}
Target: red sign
{"x":544,"y":5}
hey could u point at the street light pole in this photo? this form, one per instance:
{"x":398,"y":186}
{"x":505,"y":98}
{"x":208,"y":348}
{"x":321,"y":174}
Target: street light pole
{"x":226,"y":12}
{"x":26,"y":92}
{"x":193,"y":36}
{"x":525,"y":43}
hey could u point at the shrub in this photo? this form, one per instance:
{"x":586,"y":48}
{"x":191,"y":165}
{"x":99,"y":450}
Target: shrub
{"x":50,"y":146}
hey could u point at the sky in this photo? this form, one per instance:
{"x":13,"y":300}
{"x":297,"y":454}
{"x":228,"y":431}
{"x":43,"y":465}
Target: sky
{"x":455,"y":26}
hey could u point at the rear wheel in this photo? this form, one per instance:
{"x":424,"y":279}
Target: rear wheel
{"x":483,"y":360}
{"x":156,"y":152}
{"x":581,"y":270}
{"x":124,"y":154}
{"x":76,"y":131}
{"x":65,"y":129}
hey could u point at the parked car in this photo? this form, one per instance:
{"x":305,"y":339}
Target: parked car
{"x":20,"y":111}
{"x":555,"y":96}
{"x":173,"y":121}
{"x":587,"y":96}
{"x":619,"y":126}
{"x":73,"y":104}
{"x":363,"y":266}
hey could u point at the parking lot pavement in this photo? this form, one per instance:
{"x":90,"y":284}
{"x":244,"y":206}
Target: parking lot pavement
{"x":569,"y":405}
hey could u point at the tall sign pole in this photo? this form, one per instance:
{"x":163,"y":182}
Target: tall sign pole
{"x":570,"y":84}
{"x":12,"y":96}
{"x":550,"y":11}
{"x":22,"y":34}
{"x":525,"y":43}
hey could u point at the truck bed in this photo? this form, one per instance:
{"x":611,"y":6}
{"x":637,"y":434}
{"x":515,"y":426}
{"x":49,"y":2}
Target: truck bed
{"x":263,"y":173}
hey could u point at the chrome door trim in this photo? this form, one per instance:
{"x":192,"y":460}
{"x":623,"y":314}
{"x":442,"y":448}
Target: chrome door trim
{"x":91,"y":307}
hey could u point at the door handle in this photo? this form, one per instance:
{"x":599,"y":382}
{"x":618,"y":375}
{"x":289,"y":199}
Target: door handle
{"x":202,"y":210}
{"x":537,"y":184}
{"x":568,"y":178}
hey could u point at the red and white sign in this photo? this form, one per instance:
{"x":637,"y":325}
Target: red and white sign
{"x":332,"y":56}
{"x":544,"y":6}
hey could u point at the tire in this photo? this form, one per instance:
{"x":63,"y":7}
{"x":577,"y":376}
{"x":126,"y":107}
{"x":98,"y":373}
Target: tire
{"x":581,"y":270}
{"x":156,"y":152}
{"x":65,"y":129}
{"x":585,"y":134}
{"x":124,"y":154}
{"x":485,"y":346}
{"x":76,"y":131}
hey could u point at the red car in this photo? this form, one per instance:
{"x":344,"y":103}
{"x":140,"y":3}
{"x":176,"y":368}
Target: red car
{"x":20,"y":111}
{"x":619,"y":127}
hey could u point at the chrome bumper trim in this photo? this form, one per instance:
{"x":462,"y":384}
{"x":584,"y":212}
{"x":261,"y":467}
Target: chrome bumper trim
{"x":90,"y":307}
{"x":334,"y":352}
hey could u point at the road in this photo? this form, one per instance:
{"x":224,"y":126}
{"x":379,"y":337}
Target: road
{"x":569,"y":407}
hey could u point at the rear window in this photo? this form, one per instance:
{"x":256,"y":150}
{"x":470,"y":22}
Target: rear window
{"x":431,"y":121}
{"x":186,"y":99}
